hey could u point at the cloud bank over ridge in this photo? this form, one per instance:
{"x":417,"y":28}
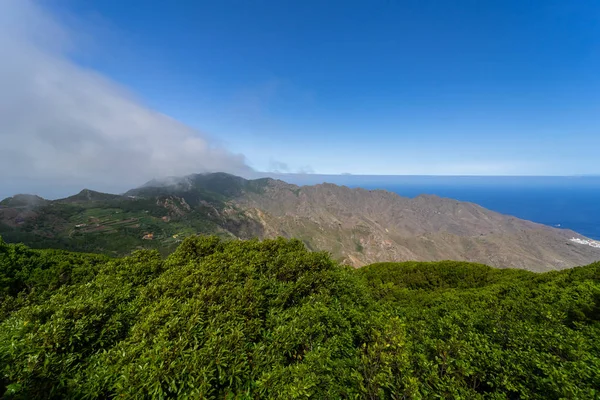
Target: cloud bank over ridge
{"x":64,"y":124}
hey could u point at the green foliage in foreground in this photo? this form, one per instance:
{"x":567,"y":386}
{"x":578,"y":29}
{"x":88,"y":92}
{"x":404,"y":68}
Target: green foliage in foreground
{"x":249,"y":319}
{"x":474,"y":331}
{"x":217,"y":320}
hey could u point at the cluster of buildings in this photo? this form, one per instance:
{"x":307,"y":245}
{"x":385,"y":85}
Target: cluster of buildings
{"x":589,"y":242}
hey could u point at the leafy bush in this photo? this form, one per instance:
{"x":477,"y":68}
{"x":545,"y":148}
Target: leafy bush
{"x":250,"y":319}
{"x":478,"y":332}
{"x":236,"y":319}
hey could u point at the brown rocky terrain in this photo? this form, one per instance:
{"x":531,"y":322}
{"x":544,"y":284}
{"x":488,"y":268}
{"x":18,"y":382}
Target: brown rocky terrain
{"x":360,"y":227}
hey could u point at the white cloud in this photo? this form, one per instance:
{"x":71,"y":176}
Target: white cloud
{"x":278,"y":166}
{"x":63,"y":123}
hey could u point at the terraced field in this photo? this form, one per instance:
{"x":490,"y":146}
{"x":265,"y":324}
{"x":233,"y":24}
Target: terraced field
{"x":113,"y":226}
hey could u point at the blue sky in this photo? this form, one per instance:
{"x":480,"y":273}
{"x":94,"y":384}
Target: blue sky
{"x":381,"y":87}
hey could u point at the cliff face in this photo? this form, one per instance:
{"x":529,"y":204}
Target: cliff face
{"x":356,"y":226}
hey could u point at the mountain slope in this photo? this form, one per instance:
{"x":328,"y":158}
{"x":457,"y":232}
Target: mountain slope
{"x":362,"y":226}
{"x":356,"y":226}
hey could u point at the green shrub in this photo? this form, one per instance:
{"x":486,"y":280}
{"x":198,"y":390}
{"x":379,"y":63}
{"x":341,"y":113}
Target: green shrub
{"x":251,"y":319}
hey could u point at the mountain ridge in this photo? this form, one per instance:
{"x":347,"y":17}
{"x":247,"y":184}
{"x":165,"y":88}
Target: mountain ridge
{"x":357,"y":226}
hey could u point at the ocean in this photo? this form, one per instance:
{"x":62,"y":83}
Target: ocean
{"x":563,"y":202}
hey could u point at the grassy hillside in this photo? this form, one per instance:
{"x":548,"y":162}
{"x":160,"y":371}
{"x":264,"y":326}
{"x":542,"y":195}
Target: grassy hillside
{"x":250,"y":319}
{"x":145,"y":218}
{"x":113,"y":225}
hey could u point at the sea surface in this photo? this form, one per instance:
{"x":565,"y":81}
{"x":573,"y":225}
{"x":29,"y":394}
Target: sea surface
{"x":564,"y":202}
